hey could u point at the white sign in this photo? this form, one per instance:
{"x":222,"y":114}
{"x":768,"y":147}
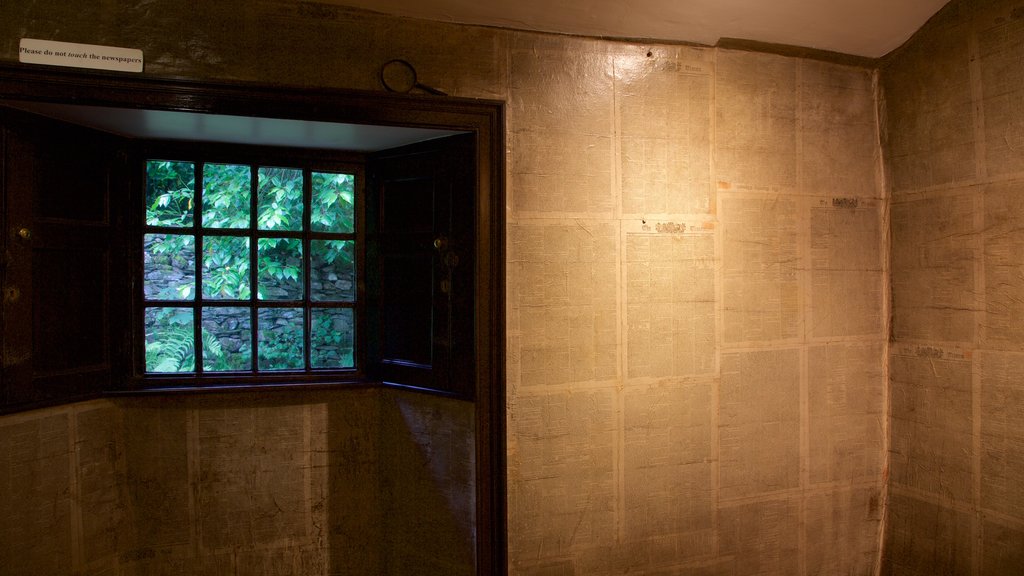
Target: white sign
{"x":34,"y":51}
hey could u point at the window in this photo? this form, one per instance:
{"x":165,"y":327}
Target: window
{"x":267,"y":265}
{"x":249,"y":267}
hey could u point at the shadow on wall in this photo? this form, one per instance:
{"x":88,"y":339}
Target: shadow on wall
{"x":402,"y":486}
{"x":427,"y":484}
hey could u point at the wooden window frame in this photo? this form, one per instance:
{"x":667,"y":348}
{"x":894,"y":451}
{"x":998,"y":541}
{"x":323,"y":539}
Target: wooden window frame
{"x":309,"y":161}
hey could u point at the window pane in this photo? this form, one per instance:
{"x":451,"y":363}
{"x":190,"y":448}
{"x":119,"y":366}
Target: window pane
{"x":280,"y":199}
{"x":170,"y":266}
{"x":280,"y":268}
{"x":333,"y":196}
{"x":170,"y":189}
{"x":227,"y":339}
{"x":332,"y":271}
{"x":331,"y":338}
{"x":227,"y":190}
{"x":226,"y":267}
{"x":280,"y":339}
{"x":170,"y":340}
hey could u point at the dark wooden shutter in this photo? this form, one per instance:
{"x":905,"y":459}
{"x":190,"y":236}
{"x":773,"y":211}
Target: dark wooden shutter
{"x":420,"y":255}
{"x":59,"y":279}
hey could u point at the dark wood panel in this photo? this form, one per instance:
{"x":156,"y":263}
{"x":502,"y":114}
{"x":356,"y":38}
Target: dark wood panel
{"x":407,"y":206}
{"x":57,"y":281}
{"x":69,"y":311}
{"x":406,"y":298}
{"x":72,"y":175}
{"x":422,"y":231}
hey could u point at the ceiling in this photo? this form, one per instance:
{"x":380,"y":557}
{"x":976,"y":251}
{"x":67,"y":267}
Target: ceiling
{"x":173,"y":125}
{"x":868,"y":28}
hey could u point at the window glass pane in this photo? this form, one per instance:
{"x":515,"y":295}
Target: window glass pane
{"x":330,"y":339}
{"x":280,"y":199}
{"x":227,"y":339}
{"x":227,"y":190}
{"x":170,"y":266}
{"x":170,"y":189}
{"x":280,"y":339}
{"x":226,"y":267}
{"x":280,"y":268}
{"x":240,"y":330}
{"x":170,"y":340}
{"x":332,"y":270}
{"x":333,"y":201}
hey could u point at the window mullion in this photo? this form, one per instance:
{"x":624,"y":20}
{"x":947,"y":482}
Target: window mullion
{"x":197,"y":311}
{"x":307,"y":262}
{"x":254,"y":264}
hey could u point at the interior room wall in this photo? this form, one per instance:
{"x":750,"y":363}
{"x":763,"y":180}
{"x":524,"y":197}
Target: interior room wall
{"x":954,"y":101}
{"x":695,"y":278}
{"x":696,"y":320}
{"x":343,"y":483}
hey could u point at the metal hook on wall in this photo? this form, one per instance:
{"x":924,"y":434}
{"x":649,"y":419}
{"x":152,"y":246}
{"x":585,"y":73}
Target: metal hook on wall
{"x":399,"y":76}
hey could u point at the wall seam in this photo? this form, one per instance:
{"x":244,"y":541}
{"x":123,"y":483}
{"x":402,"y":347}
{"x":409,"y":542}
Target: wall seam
{"x":886,"y":240}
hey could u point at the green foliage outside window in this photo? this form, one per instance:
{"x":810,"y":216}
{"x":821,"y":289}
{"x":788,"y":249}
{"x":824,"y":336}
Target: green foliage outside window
{"x":280,"y":199}
{"x":227,"y":191}
{"x":227,"y":259}
{"x":333,"y":202}
{"x":170,"y":345}
{"x":170,"y":193}
{"x":226,"y":267}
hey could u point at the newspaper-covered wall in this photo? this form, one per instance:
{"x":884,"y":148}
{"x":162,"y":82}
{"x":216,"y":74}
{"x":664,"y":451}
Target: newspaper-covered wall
{"x":956,"y":154}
